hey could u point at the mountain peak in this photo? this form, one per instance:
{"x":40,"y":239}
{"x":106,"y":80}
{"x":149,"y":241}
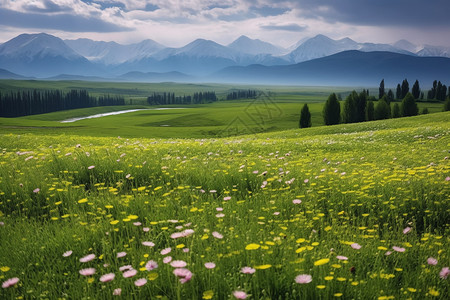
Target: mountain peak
{"x":247,"y":45}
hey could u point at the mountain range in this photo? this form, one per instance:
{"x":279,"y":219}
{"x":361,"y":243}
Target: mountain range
{"x":46,"y":56}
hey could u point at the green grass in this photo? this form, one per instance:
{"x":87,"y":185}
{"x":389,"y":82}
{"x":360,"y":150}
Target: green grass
{"x":358,"y":183}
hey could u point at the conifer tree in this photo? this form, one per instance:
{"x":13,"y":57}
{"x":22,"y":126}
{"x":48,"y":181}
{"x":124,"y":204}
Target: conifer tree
{"x":305,"y":117}
{"x":409,"y":106}
{"x":332,"y":110}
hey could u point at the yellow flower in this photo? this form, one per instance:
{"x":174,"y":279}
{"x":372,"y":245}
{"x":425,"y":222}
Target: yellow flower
{"x":321,"y":287}
{"x":252,"y":247}
{"x":263,"y":267}
{"x":433,"y":292}
{"x":84,"y":200}
{"x":114,"y":222}
{"x":5,"y":269}
{"x":152,"y":276}
{"x":328,"y":278}
{"x":338,"y":294}
{"x":208,"y":294}
{"x":321,"y":261}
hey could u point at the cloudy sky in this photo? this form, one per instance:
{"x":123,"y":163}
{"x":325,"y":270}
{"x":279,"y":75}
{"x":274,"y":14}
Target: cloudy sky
{"x":177,"y":22}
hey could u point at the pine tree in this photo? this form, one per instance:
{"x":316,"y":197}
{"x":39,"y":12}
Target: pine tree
{"x":398,"y":94}
{"x":390,"y":97}
{"x":370,"y":111}
{"x":396,"y":111}
{"x":447,"y":104}
{"x":405,"y":88}
{"x":350,"y":110}
{"x":382,"y":110}
{"x":381,"y":91}
{"x":416,"y":90}
{"x":409,"y":106}
{"x":332,"y":111}
{"x":305,"y":117}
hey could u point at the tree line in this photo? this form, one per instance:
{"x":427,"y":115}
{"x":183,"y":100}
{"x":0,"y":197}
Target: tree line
{"x":24,"y":103}
{"x":168,"y":98}
{"x":438,"y":92}
{"x":242,"y":94}
{"x":360,"y":107}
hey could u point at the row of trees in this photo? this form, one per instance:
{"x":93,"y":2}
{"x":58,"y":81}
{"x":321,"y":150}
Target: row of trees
{"x":166,"y":98}
{"x":242,"y":94}
{"x":356,"y":108}
{"x":437,"y":92}
{"x":24,"y":103}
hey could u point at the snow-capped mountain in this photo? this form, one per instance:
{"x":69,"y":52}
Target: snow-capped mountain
{"x":428,"y":50}
{"x":41,"y":55}
{"x":112,"y":53}
{"x":321,"y":46}
{"x":255,"y":46}
{"x":407,"y":45}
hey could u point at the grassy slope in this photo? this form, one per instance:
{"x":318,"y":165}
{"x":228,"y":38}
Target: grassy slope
{"x":365,"y":184}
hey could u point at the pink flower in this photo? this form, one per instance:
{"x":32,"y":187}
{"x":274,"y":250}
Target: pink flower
{"x":296,"y":201}
{"x":87,"y":271}
{"x":447,"y":178}
{"x":36,"y":190}
{"x":148,"y":244}
{"x":248,"y":270}
{"x":87,"y":258}
{"x":184,"y":233}
{"x":107,"y":277}
{"x":137,"y":223}
{"x":167,"y":259}
{"x":276,"y":213}
{"x":117,"y":292}
{"x":129,"y":273}
{"x":124,"y":268}
{"x":210,"y":265}
{"x":240,"y":294}
{"x":151,"y":265}
{"x":432,"y":261}
{"x":355,"y":246}
{"x":184,"y":274}
{"x":140,"y":282}
{"x":303,"y":278}
{"x":220,"y":215}
{"x":217,"y":235}
{"x":178,"y":264}
{"x":146,"y":229}
{"x":91,"y":167}
{"x":166,"y":251}
{"x":226,"y":198}
{"x":306,"y":180}
{"x":340,"y":257}
{"x":67,"y":253}
{"x":398,"y":249}
{"x":444,"y":273}
{"x":219,"y":208}
{"x":388,"y":253}
{"x":407,"y":230}
{"x":121,"y":254}
{"x":10,"y":282}
{"x":185,"y":250}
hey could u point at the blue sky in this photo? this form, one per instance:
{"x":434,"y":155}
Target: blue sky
{"x":177,"y":22}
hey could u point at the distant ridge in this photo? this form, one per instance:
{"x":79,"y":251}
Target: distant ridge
{"x":346,"y":68}
{"x":5,"y":74}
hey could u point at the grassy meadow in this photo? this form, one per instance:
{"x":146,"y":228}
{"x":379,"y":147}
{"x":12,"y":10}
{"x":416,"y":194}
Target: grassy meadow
{"x":277,"y":109}
{"x":230,"y":201}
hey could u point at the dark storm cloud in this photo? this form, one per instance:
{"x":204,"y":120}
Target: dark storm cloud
{"x":288,"y":27}
{"x":66,"y":22}
{"x":405,"y":13}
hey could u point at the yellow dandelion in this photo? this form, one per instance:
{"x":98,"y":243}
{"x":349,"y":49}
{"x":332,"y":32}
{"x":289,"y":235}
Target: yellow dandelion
{"x":208,"y":294}
{"x":252,"y":246}
{"x":263,"y":267}
{"x":84,"y":200}
{"x":321,"y":261}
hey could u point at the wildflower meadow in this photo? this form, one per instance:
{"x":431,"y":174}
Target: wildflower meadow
{"x":353,"y":211}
